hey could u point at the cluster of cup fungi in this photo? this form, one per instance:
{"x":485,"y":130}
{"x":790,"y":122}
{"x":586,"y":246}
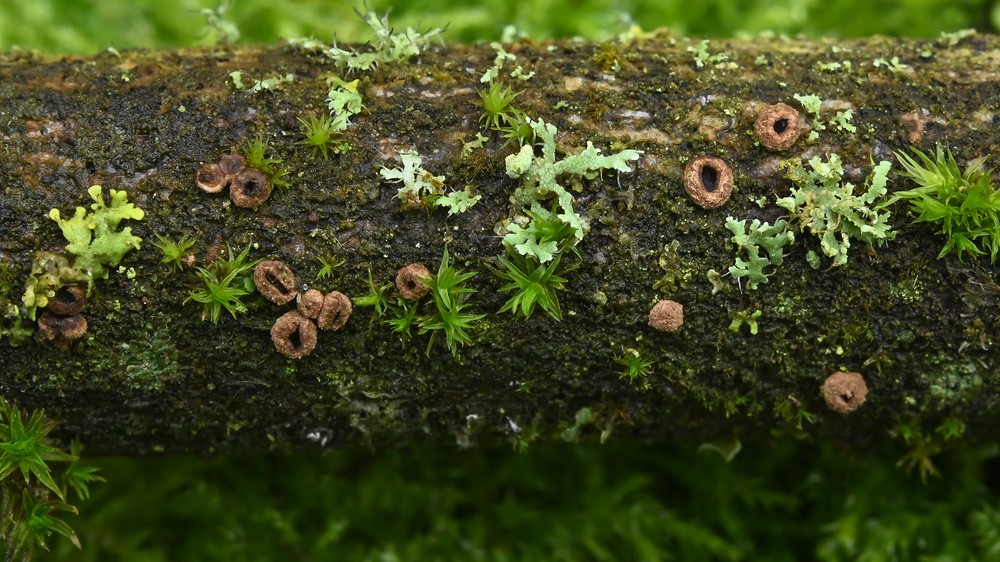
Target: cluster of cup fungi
{"x":248,"y":187}
{"x":295,"y":333}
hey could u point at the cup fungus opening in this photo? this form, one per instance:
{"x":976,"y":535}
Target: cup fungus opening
{"x":709,"y":181}
{"x":667,"y":316}
{"x":250,"y":188}
{"x":336,"y":310}
{"x":275,"y":281}
{"x":294,"y":335}
{"x":62,"y":330}
{"x":844,"y":392}
{"x":778,"y":127}
{"x":210,"y":178}
{"x":68,"y":300}
{"x":408,"y":281}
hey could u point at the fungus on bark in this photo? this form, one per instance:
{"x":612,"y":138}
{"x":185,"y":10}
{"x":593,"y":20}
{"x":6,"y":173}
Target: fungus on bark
{"x":275,"y":281}
{"x":336,"y":310}
{"x":294,"y":335}
{"x":667,"y":316}
{"x":250,"y":188}
{"x":211,"y":179}
{"x":709,"y":181}
{"x":844,"y":392}
{"x":232,"y":164}
{"x":778,"y":127}
{"x":67,"y":301}
{"x":408,"y":281}
{"x":62,"y":330}
{"x":310,"y":304}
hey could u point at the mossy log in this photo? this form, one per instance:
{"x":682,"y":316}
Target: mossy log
{"x":152,"y":375}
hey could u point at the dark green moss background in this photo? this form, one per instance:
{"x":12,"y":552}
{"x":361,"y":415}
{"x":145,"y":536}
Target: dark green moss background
{"x":776,"y":500}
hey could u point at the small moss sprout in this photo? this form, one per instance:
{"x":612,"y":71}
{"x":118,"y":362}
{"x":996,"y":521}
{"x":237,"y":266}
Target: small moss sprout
{"x":256,"y":154}
{"x":635,"y":366}
{"x":321,"y":135}
{"x":533,"y":283}
{"x":174,"y":252}
{"x":224,"y":284}
{"x":497,"y":109}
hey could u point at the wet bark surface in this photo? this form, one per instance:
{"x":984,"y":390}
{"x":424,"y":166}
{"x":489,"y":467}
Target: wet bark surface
{"x":151,"y":375}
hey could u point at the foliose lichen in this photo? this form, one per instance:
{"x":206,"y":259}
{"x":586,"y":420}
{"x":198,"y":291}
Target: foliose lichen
{"x":832,"y":211}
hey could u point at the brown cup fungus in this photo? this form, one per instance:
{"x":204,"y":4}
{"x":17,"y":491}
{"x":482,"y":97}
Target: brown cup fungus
{"x":336,"y":310}
{"x":275,"y":281}
{"x":67,"y":301}
{"x":62,"y":330}
{"x":667,"y":316}
{"x":294,"y":335}
{"x":709,"y":181}
{"x":844,"y":392}
{"x":250,"y":188}
{"x":232,"y":164}
{"x":778,"y":127}
{"x":210,"y":178}
{"x":310,"y":304}
{"x":408,"y":281}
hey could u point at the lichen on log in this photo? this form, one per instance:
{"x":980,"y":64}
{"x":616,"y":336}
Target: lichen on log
{"x":150,"y":375}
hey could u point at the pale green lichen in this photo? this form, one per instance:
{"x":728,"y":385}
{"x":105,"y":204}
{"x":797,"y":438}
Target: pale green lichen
{"x":748,"y":318}
{"x":458,"y":201}
{"x":703,"y":58}
{"x":94,"y":241}
{"x":343,"y":101}
{"x":271,"y":84}
{"x":540,"y":175}
{"x":751,"y":239}
{"x":892,"y":65}
{"x":386,"y":47}
{"x":831,"y":211}
{"x":94,"y":237}
{"x":420,"y":187}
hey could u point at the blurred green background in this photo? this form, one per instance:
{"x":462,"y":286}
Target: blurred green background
{"x":782,"y":500}
{"x":86,"y":26}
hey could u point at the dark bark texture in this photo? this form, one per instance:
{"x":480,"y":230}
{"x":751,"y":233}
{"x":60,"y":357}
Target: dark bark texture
{"x":151,"y":375}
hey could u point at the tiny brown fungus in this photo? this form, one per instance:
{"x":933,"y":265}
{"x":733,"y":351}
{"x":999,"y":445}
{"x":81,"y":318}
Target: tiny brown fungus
{"x":709,"y":181}
{"x":250,"y":188}
{"x":778,"y":127}
{"x":210,"y":178}
{"x":336,"y":310}
{"x":62,"y":330}
{"x":232,"y":164}
{"x":67,"y":301}
{"x":667,"y":316}
{"x":294,"y":335}
{"x":408,"y":281}
{"x":310,"y":304}
{"x":275,"y":281}
{"x":844,"y":392}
